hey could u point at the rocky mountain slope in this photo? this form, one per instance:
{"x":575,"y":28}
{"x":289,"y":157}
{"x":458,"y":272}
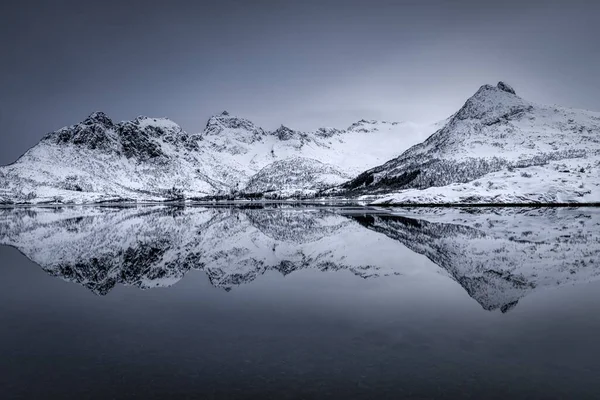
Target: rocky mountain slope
{"x":497,"y":255}
{"x":498,"y":148}
{"x":153,"y":159}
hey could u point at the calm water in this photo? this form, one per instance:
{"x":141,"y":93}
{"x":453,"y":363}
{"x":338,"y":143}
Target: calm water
{"x":299,"y":302}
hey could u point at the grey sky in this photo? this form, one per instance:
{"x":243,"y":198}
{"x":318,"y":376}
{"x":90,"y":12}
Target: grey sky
{"x":303,"y":63}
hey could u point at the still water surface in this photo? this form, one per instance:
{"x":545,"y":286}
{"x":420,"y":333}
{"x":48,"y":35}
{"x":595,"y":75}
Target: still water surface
{"x":298,"y":302}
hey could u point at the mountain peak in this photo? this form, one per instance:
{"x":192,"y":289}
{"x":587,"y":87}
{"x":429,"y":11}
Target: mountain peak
{"x":226,"y":122}
{"x":160,"y":124}
{"x":500,"y":87}
{"x":492,"y":102}
{"x":284,"y":133}
{"x":506,"y":87}
{"x":98,"y":117}
{"x":94,"y":132}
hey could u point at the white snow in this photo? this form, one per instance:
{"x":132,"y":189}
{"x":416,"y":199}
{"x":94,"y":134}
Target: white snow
{"x":565,"y":181}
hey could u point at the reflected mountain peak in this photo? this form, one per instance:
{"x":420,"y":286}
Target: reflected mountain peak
{"x":497,"y":255}
{"x":500,"y":255}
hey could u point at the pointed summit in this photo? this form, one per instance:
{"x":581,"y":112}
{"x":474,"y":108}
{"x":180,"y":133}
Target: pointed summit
{"x":506,"y":87}
{"x":490,"y":103}
{"x":284,"y":133}
{"x":98,"y":117}
{"x":94,"y":132}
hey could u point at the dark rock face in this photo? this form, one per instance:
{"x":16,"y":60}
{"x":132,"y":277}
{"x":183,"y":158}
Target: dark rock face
{"x":506,"y":87}
{"x":285,"y":133}
{"x":328,"y":132}
{"x":129,"y":138}
{"x":98,"y":117}
{"x":95,"y":133}
{"x":137,"y":143}
{"x":361,"y":126}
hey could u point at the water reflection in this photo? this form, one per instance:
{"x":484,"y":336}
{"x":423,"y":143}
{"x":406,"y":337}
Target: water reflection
{"x":497,"y":255}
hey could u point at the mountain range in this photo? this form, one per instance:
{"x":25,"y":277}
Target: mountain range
{"x":497,"y":148}
{"x":153,"y":159}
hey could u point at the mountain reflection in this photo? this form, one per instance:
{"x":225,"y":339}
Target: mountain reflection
{"x":497,"y":255}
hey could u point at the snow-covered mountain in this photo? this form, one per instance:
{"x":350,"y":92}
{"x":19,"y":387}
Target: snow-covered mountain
{"x":150,"y":159}
{"x":497,"y":255}
{"x":498,"y":148}
{"x":286,"y":177}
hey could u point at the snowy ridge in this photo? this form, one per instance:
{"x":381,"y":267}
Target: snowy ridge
{"x":483,"y":151}
{"x":153,"y":159}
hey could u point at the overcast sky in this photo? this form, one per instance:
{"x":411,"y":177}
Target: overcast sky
{"x":302,"y":63}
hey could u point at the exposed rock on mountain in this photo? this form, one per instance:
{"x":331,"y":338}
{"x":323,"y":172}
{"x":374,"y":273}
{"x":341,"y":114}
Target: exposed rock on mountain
{"x":506,"y":87}
{"x":233,"y":127}
{"x":285,"y":133}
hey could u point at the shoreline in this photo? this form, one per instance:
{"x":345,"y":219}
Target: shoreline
{"x":318,"y":203}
